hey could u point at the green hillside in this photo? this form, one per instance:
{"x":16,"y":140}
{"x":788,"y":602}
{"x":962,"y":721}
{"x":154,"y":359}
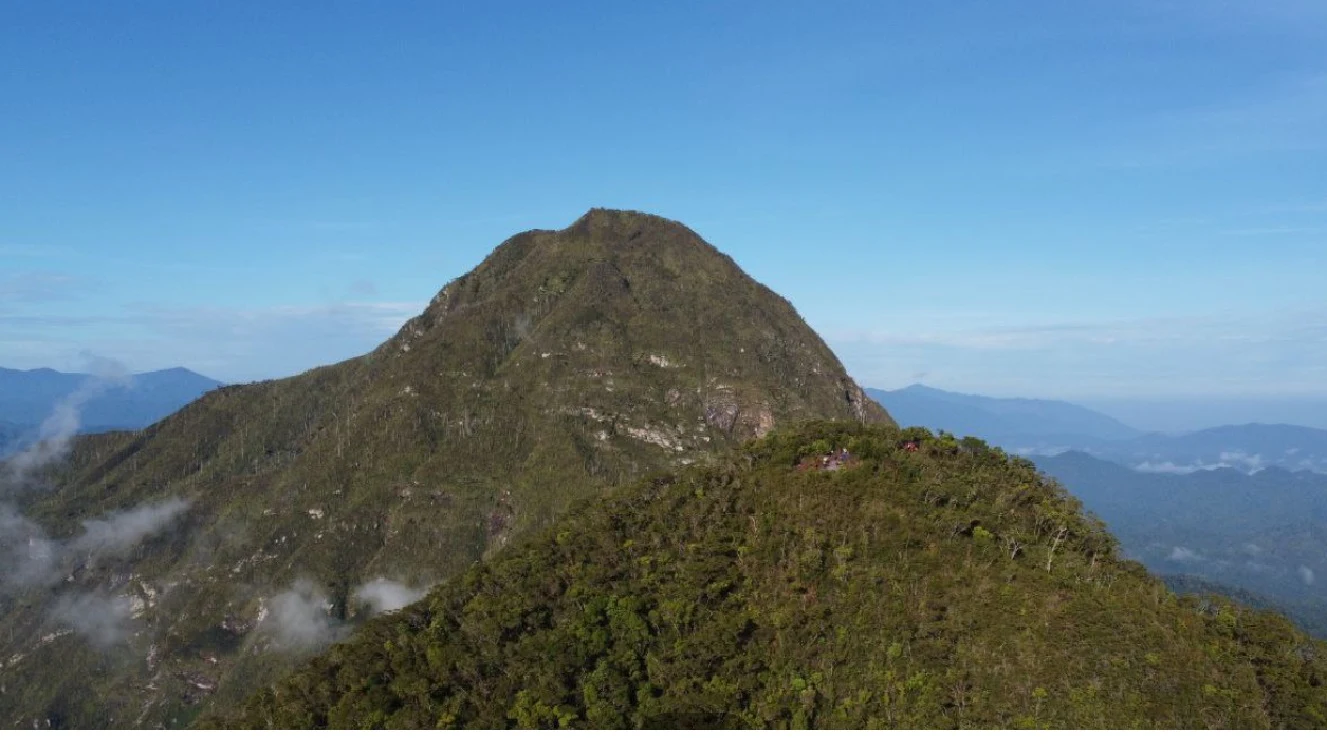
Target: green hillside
{"x":946,"y":587}
{"x":566,"y":362}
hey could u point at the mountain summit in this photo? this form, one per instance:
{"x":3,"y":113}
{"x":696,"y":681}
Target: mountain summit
{"x":621,"y":301}
{"x":261,"y":521}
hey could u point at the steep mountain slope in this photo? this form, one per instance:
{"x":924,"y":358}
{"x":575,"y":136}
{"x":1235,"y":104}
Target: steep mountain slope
{"x":29,"y":396}
{"x":946,"y":587}
{"x":566,"y":362}
{"x":1265,"y":532}
{"x":1012,"y":423}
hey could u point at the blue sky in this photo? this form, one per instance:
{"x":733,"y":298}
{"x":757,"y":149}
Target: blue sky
{"x":1108,"y":199}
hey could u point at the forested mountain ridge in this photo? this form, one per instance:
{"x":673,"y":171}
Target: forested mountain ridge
{"x":281,"y":512}
{"x":950,"y":586}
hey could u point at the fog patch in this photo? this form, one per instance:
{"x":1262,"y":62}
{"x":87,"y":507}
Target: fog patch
{"x":1237,"y":460}
{"x":103,"y":621}
{"x":57,"y":431}
{"x":29,"y":558}
{"x":1247,"y":462}
{"x":300,"y":618}
{"x":1183,"y":555}
{"x":384,"y":595}
{"x":125,"y":529}
{"x":1170,"y":467}
{"x":1306,"y":574}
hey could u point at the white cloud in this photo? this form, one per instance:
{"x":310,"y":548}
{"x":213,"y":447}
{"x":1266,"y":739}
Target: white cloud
{"x":1258,"y":353}
{"x":1183,"y":555}
{"x":300,"y":618}
{"x":1170,"y":467}
{"x":1282,"y":116}
{"x":103,"y":620}
{"x":31,"y":286}
{"x":122,"y":530}
{"x":385,"y":595}
{"x":58,"y":429}
{"x":29,"y":557}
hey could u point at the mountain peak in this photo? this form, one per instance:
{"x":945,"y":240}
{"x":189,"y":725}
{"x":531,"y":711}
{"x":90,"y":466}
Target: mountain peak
{"x":598,"y":218}
{"x":622,"y":288}
{"x":565,"y":362}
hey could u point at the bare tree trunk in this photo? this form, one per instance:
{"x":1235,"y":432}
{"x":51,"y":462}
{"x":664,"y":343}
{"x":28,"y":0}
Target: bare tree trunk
{"x":1060,"y":535}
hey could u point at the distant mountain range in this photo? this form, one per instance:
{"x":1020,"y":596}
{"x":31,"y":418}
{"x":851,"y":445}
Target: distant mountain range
{"x":29,"y":397}
{"x":1265,"y":533}
{"x":1038,"y":427}
{"x":1247,"y":448}
{"x":1009,"y":422}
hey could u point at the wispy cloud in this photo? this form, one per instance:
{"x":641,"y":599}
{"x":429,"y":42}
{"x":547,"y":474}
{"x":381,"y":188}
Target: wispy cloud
{"x":230,"y":344}
{"x":1287,"y":116}
{"x":29,"y":557}
{"x":341,"y":226}
{"x":58,"y":430}
{"x":1306,"y":207}
{"x":1300,"y":17}
{"x":301,"y":618}
{"x":38,"y":286}
{"x":1264,"y":327}
{"x":363,"y":287}
{"x":31,"y":251}
{"x":383,"y":595}
{"x":1219,"y":354}
{"x":104,"y":620}
{"x":1183,"y":555}
{"x":1281,"y":230}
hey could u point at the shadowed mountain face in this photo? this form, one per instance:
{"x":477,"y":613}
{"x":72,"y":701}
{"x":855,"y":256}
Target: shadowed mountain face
{"x":270,"y":517}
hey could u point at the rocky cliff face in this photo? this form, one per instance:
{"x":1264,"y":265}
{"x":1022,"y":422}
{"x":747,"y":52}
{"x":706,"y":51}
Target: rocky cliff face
{"x":566,"y":362}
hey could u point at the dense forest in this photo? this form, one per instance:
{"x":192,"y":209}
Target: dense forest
{"x":925,"y":581}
